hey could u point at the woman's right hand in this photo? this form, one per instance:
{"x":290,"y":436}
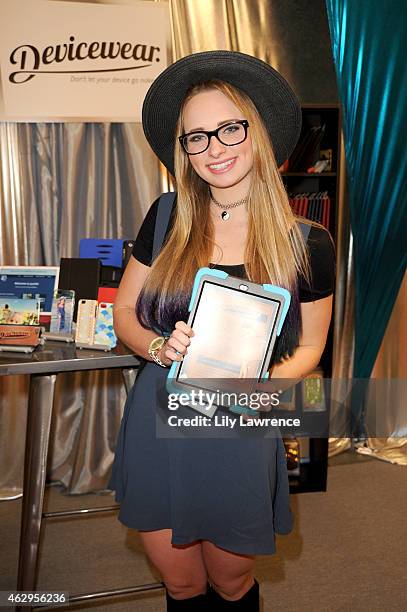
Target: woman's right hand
{"x":176,"y":347}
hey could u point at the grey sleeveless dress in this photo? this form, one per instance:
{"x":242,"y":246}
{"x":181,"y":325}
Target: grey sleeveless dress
{"x":233,"y":492}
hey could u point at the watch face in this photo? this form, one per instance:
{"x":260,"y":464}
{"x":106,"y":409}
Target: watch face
{"x":157,"y":343}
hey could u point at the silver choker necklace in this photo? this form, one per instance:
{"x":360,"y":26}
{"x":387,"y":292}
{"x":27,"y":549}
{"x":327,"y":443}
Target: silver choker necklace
{"x":225,"y":215}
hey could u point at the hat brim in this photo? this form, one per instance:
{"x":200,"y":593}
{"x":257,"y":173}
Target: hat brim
{"x":271,"y":94}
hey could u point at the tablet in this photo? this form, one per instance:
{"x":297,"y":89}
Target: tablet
{"x":30,"y":282}
{"x":236,"y":323}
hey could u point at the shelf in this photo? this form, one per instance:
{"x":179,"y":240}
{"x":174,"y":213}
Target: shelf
{"x":309,"y":174}
{"x":313,"y":474}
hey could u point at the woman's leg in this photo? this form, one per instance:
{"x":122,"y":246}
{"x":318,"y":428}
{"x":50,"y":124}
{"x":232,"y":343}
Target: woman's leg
{"x":230,"y":574}
{"x":181,"y":567}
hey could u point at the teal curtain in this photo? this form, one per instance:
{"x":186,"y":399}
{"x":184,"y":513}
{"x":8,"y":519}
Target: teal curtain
{"x":369,"y":42}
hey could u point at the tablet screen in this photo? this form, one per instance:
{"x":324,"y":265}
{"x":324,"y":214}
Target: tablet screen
{"x":30,"y":282}
{"x":233,"y":330}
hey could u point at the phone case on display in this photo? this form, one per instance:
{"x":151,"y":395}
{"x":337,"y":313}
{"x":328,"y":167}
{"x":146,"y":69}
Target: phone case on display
{"x":104,"y":333}
{"x":85,"y":326}
{"x":62,"y":311}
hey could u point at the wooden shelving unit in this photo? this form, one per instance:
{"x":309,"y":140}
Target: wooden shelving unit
{"x":313,"y":470}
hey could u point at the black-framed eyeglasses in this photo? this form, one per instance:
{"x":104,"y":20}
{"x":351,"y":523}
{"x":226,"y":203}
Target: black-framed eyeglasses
{"x":229,"y":134}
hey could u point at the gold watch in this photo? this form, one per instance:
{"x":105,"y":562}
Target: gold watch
{"x":155,"y":347}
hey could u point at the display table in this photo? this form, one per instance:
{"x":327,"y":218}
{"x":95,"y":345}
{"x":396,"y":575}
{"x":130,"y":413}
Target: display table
{"x":43,"y":365}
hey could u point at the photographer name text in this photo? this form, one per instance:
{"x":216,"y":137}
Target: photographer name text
{"x":231,"y":422}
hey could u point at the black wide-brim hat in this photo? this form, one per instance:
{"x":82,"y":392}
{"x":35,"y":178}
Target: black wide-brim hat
{"x":269,"y":91}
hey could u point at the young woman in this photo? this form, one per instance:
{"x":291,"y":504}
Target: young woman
{"x":222,"y":122}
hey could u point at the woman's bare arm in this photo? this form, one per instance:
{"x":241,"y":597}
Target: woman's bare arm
{"x":316,"y":317}
{"x":127,"y":326}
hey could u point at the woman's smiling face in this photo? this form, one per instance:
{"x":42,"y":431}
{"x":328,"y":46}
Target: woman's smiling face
{"x":220,"y":165}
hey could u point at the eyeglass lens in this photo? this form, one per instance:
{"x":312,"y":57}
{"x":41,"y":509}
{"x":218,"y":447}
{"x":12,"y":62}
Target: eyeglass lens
{"x":231,"y":134}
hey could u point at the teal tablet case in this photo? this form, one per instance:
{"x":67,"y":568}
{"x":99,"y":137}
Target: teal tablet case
{"x":282,"y":293}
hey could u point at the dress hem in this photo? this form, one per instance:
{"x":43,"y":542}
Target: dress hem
{"x":179,"y":541}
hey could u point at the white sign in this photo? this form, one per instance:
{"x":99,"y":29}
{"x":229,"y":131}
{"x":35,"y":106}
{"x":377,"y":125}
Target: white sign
{"x":63,"y":61}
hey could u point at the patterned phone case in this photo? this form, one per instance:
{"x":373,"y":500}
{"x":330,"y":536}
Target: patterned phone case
{"x":104,"y":333}
{"x":85,"y":326}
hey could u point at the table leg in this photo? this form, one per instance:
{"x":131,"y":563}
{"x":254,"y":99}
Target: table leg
{"x":129,"y":376}
{"x":35,"y":465}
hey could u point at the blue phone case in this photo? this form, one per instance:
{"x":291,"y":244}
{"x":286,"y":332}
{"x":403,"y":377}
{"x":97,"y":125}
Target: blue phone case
{"x":104,"y":333}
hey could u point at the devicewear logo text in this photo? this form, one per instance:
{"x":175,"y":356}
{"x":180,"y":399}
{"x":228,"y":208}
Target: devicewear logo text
{"x":32,"y":61}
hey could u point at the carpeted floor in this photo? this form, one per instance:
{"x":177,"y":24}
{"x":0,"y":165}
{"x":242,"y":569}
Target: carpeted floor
{"x":347,"y":552}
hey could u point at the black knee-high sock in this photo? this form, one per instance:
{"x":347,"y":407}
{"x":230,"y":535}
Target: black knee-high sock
{"x":191,"y":604}
{"x":250,"y":602}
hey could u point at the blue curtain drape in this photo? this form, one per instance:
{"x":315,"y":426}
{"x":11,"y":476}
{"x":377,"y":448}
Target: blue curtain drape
{"x":369,"y":43}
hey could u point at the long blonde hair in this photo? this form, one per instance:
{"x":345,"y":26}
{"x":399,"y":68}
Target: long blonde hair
{"x":275,"y":251}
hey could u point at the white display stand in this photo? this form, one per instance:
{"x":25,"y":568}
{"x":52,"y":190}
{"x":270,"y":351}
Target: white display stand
{"x":59,"y":336}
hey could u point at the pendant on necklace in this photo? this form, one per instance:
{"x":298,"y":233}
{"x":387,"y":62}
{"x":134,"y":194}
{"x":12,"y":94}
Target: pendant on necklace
{"x":225,"y":215}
